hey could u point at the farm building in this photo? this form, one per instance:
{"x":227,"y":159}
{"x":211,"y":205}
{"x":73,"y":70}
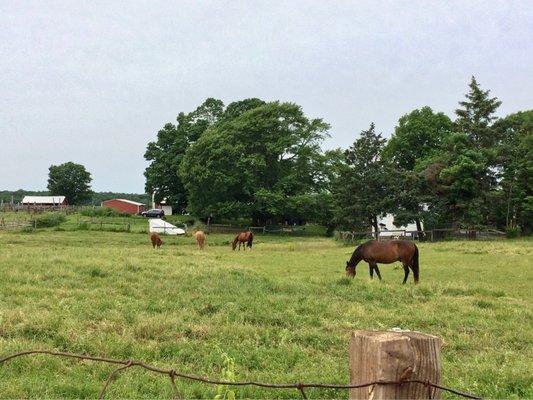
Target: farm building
{"x":387,"y":227}
{"x":124,"y":206}
{"x":44,"y":201}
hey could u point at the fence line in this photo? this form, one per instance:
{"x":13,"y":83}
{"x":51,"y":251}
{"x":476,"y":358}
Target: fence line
{"x":173,"y":374}
{"x":427,"y":235}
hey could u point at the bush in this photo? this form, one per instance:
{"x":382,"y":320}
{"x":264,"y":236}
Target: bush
{"x":49,"y":220}
{"x":102,"y":212}
{"x":512,"y":232}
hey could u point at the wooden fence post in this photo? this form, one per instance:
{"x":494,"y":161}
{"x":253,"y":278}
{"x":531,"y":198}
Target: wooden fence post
{"x":394,"y":356}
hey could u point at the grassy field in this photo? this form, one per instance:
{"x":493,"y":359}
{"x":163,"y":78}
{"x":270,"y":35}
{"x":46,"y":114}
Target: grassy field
{"x":282,"y":312}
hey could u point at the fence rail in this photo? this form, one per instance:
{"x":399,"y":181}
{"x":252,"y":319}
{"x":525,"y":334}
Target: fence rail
{"x":426,"y":235}
{"x":173,"y":374}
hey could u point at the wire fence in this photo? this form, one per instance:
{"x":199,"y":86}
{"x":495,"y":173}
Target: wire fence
{"x":432,"y":235}
{"x":173,"y":374}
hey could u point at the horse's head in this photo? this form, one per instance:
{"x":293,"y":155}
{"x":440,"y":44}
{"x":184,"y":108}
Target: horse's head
{"x":350,"y":269}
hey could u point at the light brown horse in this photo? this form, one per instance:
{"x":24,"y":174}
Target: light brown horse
{"x":200,"y":239}
{"x":156,"y":240}
{"x":385,"y":252}
{"x":245,"y":238}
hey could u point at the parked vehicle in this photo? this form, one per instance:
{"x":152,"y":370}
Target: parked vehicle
{"x":153,"y":213}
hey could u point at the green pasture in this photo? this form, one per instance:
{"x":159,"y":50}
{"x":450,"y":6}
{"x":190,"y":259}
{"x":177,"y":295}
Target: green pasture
{"x":282,"y":312}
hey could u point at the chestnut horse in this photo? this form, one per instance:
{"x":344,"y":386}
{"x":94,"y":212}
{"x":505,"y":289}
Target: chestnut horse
{"x":245,"y":238}
{"x":200,"y":239}
{"x":385,"y":252}
{"x":156,"y":240}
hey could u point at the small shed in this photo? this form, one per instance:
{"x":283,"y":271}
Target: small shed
{"x":124,"y":206}
{"x":44,"y":201}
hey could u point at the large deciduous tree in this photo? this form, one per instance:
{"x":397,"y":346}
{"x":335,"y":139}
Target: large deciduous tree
{"x":364,"y":190}
{"x":515,"y":160}
{"x":258,"y":162}
{"x":167,"y":152}
{"x":70,"y":180}
{"x":419,"y":135}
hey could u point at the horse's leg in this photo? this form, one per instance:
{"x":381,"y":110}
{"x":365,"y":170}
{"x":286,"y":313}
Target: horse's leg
{"x":377,"y":271}
{"x":371,"y":269}
{"x":406,"y":272}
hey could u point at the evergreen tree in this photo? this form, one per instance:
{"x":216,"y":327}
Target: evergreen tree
{"x":364,"y":189}
{"x":476,"y":116}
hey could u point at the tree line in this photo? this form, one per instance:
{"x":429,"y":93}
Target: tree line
{"x":263,"y":161}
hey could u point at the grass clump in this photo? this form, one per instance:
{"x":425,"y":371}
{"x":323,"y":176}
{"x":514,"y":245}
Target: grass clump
{"x":49,"y":220}
{"x":102,"y":212}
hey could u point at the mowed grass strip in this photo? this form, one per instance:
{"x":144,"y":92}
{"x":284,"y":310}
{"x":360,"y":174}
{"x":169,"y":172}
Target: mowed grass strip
{"x":283,"y":311}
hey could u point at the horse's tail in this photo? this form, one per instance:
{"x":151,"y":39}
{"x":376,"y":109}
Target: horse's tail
{"x":415,"y":265}
{"x":250,"y":239}
{"x":234,"y":244}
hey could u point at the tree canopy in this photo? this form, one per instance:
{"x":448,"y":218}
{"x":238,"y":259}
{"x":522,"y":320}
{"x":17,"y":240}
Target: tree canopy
{"x":70,"y":180}
{"x":264,"y":161}
{"x":255,"y":163}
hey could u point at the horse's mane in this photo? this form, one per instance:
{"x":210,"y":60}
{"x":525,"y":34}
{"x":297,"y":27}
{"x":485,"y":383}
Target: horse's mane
{"x":356,"y":255}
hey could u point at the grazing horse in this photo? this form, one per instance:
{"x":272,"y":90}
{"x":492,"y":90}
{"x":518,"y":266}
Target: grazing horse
{"x":245,"y":238}
{"x":156,"y":240}
{"x":200,"y":239}
{"x":387,"y":252}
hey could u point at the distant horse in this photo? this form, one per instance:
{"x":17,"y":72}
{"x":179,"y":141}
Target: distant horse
{"x":200,"y":239}
{"x":386,"y":252}
{"x":245,"y":238}
{"x":156,"y":240}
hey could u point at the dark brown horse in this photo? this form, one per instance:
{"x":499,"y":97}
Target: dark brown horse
{"x":385,"y":252}
{"x":245,"y":238}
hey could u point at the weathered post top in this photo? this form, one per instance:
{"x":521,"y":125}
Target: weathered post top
{"x":394,"y":356}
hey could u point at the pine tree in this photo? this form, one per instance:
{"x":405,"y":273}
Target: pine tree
{"x":364,"y":189}
{"x":476,"y":116}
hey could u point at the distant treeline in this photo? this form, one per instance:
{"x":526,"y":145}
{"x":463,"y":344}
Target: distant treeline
{"x":96,"y":198}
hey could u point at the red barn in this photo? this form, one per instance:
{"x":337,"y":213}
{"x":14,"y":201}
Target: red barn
{"x":124,"y":206}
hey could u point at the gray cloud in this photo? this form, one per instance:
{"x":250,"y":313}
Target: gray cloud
{"x":92,"y":82}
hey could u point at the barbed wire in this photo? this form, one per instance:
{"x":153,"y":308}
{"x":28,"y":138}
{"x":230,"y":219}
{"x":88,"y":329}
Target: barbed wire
{"x":173,"y":374}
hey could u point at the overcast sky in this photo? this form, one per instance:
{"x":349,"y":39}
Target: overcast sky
{"x":93,"y":81}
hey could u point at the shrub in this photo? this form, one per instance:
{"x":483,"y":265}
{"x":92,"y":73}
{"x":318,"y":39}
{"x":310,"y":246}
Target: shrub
{"x":49,"y":220}
{"x":512,"y":232}
{"x":102,"y":212}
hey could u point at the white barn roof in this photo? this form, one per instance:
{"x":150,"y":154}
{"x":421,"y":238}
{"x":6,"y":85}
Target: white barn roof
{"x":129,"y":201}
{"x":43,"y":199}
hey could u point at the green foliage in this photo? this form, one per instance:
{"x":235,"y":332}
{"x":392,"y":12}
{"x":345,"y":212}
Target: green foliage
{"x":255,"y":164}
{"x":70,"y":180}
{"x":261,"y":163}
{"x":516,"y":165}
{"x":166,"y":154}
{"x":512,"y":232}
{"x":49,"y":220}
{"x":418,"y":135}
{"x":225,"y":392}
{"x":363,"y":190}
{"x":102,"y":212}
{"x":476,"y":116}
